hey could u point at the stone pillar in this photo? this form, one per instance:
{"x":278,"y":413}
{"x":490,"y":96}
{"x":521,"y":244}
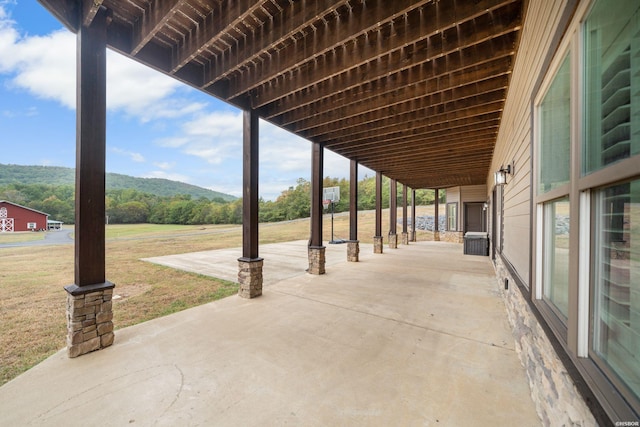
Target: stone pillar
{"x":436,"y":236}
{"x":393,"y":241}
{"x":89,"y":318}
{"x":377,"y":244}
{"x":353,"y":250}
{"x":250,"y":277}
{"x":412,"y":236}
{"x":405,"y":238}
{"x":316,"y":260}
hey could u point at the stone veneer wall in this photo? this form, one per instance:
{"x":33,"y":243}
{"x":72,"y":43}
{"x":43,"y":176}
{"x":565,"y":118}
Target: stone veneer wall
{"x":393,"y":241}
{"x":316,"y":259}
{"x":89,"y":322}
{"x":557,"y":400}
{"x":452,"y":236}
{"x":353,"y":250}
{"x":250,"y":277}
{"x":378,"y":244}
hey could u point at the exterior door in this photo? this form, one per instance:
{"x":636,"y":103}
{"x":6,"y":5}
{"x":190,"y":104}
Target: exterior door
{"x":474,"y":219}
{"x":6,"y":225}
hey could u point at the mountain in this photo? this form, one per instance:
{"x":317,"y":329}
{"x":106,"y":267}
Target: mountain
{"x":56,"y":175}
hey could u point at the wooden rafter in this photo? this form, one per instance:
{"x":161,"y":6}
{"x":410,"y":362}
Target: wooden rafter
{"x":406,"y":87}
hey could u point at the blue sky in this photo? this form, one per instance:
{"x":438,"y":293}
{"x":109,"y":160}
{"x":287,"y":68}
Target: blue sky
{"x":156,"y":126}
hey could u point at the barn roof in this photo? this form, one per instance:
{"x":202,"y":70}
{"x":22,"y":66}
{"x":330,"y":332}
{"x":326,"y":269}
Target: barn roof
{"x":410,"y":88}
{"x":23,"y":207}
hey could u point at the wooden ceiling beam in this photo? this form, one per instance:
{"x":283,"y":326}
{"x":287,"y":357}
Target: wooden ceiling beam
{"x":155,"y":16}
{"x":422,"y":147}
{"x":66,"y":11}
{"x":398,"y":87}
{"x":358,"y":97}
{"x":227,"y":15}
{"x":333,"y":33}
{"x":89,"y":10}
{"x":430,"y":114}
{"x":378,"y":58}
{"x":401,"y":115}
{"x":413,"y":130}
{"x":414,"y":126}
{"x":294,"y":18}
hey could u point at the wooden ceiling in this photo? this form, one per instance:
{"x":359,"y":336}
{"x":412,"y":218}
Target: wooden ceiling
{"x":413,"y":89}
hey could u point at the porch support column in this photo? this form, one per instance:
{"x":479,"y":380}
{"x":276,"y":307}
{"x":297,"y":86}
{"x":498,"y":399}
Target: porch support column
{"x":436,"y":216}
{"x":393,"y":214}
{"x":316,"y":251}
{"x":250,"y":264}
{"x":405,"y":234}
{"x":377,"y":239}
{"x":89,"y":306}
{"x":412,"y":233}
{"x":353,"y":245}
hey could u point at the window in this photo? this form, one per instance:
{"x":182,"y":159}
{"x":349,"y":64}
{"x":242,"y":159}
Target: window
{"x":31,"y":225}
{"x":555,"y":281}
{"x":612,"y":95}
{"x":616,"y":280}
{"x":452,"y":216}
{"x":553,"y":179}
{"x":587,"y":163}
{"x":555,"y":131}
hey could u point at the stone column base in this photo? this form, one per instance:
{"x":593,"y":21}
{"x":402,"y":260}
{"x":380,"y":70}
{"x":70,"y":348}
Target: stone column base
{"x":89,"y":318}
{"x":250,"y":277}
{"x":353,"y":250}
{"x":316,"y":259}
{"x":377,"y":244}
{"x":412,"y":236}
{"x":405,"y":238}
{"x":393,"y":241}
{"x":436,"y":236}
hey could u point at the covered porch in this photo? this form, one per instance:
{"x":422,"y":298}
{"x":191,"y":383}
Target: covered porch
{"x":417,"y":336}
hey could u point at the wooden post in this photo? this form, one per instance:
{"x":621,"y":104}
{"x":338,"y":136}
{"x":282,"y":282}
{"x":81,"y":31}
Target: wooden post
{"x":353,"y":245}
{"x":89,"y":307}
{"x":413,"y":216}
{"x":250,"y":167}
{"x":316,"y":251}
{"x":436,"y":215}
{"x":405,"y":233}
{"x":393,"y":214}
{"x":250,"y":265}
{"x":377,"y":239}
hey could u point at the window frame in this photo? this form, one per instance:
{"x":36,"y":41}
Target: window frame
{"x":576,"y":335}
{"x":569,"y":48}
{"x":453,"y":205}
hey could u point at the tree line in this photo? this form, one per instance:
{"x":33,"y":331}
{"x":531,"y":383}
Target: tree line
{"x":130,"y":206}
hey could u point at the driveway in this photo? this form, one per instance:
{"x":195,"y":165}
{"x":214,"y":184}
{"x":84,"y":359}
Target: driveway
{"x":53,"y":237}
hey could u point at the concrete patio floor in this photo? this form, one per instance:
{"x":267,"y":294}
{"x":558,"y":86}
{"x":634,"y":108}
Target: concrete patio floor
{"x":417,"y":336}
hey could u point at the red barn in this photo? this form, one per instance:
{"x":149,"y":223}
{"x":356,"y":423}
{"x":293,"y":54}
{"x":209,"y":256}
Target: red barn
{"x":14,"y":217}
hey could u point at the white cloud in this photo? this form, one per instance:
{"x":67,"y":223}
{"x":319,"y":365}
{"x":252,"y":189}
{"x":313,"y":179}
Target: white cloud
{"x":164,"y":165}
{"x":46,"y":67}
{"x":136,"y":157}
{"x":43,"y":65}
{"x":215,"y":137}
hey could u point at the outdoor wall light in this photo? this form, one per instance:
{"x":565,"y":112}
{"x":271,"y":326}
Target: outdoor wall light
{"x":500,"y":176}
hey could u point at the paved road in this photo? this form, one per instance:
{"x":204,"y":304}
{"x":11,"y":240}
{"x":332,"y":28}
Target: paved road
{"x":54,"y":237}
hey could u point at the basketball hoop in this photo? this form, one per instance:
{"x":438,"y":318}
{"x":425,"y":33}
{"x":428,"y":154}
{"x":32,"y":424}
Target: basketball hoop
{"x":326,"y":203}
